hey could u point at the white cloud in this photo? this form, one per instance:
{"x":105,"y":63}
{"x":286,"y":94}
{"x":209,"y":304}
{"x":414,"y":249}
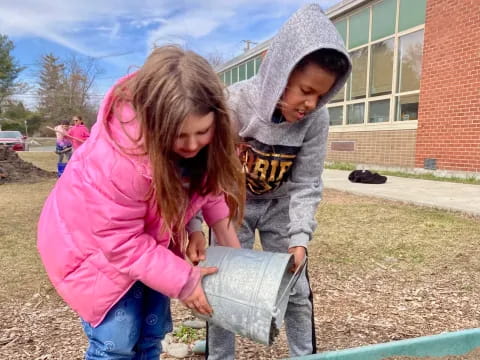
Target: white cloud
{"x":126,"y":30}
{"x":64,"y":21}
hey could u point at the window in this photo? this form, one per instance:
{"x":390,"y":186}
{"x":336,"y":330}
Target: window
{"x":407,"y":107}
{"x":235,"y":75}
{"x":387,"y":41}
{"x":358,"y":33}
{"x":258,"y":61}
{"x":342,"y":29}
{"x":358,"y":80}
{"x":250,"y":68}
{"x":339,"y":96}
{"x":379,"y":111}
{"x":381,"y":68}
{"x":412,"y":13}
{"x":228,"y":77}
{"x":383,"y":19}
{"x":410,"y":50}
{"x":355,"y":113}
{"x":336,"y":115}
{"x":242,"y":72}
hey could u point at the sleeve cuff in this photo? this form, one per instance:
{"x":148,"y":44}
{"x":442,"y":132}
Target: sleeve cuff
{"x":194,"y":225}
{"x":191,"y":284}
{"x":299,"y":239}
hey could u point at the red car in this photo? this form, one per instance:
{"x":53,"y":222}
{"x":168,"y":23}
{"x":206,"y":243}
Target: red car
{"x":14,"y":140}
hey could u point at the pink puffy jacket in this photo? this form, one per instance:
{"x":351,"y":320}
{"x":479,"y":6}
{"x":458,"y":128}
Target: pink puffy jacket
{"x":78,"y":133}
{"x":97,"y":233}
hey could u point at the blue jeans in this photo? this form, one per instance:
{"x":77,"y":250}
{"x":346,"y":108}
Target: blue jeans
{"x":133,"y":328}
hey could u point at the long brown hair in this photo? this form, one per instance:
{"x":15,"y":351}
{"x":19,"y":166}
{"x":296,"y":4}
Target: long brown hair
{"x":172,"y":84}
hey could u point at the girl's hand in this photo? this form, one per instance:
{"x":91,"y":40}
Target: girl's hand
{"x":197,"y":301}
{"x":299,"y":254}
{"x":196,"y":247}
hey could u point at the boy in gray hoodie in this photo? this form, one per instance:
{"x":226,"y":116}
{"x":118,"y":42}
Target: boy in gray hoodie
{"x":283,"y":123}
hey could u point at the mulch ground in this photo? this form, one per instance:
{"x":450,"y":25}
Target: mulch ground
{"x":354,"y":306}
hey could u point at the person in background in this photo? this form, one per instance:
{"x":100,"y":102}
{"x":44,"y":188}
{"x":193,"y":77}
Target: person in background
{"x":78,"y":132}
{"x":112,"y":234}
{"x":63,"y":145}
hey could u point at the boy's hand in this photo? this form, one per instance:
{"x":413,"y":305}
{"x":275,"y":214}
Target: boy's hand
{"x":196,"y":247}
{"x":197,"y":301}
{"x":299,"y":253}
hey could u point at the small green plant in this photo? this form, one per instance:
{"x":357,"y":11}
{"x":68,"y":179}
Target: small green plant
{"x":186,"y":334}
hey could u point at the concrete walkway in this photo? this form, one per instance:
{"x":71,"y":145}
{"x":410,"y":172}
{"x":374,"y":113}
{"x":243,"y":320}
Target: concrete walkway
{"x":438,"y":194}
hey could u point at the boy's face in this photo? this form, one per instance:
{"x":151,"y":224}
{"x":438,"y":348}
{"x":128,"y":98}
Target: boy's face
{"x":304,"y":89}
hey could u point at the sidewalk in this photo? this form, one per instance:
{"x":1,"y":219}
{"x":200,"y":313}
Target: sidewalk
{"x":438,"y":194}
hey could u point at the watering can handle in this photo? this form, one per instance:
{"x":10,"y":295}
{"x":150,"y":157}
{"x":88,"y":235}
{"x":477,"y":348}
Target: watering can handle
{"x":294,"y":279}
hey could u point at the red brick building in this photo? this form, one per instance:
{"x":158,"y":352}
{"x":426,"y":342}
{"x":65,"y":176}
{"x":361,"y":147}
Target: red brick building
{"x":449,"y":116}
{"x":413,"y":99}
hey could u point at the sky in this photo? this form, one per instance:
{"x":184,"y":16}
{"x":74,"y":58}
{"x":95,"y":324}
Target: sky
{"x":120,"y":34}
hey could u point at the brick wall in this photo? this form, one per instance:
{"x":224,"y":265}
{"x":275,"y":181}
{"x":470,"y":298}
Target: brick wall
{"x":449,"y":113}
{"x":388,"y":148}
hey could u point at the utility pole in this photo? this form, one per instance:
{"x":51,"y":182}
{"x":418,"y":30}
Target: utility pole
{"x":247,"y":44}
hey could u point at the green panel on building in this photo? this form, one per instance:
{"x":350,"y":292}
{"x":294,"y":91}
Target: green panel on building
{"x":342,"y":29}
{"x":412,"y":13}
{"x":358,"y":32}
{"x":234,"y":75}
{"x":383,"y":21}
{"x":250,"y":68}
{"x":242,"y":75}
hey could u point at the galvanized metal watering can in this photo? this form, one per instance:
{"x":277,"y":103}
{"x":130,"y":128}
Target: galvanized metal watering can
{"x":249,"y":293}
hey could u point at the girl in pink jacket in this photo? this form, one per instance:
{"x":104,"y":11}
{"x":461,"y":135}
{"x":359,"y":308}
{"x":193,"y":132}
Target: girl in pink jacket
{"x":112,"y":232}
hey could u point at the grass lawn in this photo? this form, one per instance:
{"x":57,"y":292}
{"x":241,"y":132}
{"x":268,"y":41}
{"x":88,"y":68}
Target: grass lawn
{"x":380,"y":271}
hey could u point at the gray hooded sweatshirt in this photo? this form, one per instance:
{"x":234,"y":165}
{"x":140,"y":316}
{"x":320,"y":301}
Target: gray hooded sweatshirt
{"x":286,"y":159}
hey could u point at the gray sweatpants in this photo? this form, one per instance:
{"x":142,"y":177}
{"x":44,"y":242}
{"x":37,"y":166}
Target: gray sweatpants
{"x":270,"y":217}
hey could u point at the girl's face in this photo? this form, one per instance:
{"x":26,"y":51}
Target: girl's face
{"x":304,"y":89}
{"x":76,"y":121}
{"x":195,"y":133}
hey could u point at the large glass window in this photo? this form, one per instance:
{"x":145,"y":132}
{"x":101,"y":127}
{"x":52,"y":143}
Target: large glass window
{"x":381,"y":67}
{"x":379,"y":111}
{"x":358,"y":32}
{"x":339,"y":96}
{"x":358,"y":80}
{"x":383,"y":19}
{"x":407,"y":107}
{"x":410,"y":51}
{"x":387,"y":63}
{"x":355,"y":113}
{"x":336,"y":115}
{"x":412,"y":13}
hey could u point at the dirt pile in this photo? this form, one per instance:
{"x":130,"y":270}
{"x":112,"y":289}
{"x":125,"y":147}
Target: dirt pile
{"x":14,"y":169}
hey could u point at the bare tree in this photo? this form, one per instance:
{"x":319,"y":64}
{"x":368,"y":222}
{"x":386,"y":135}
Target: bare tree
{"x":64,"y":87}
{"x":215,"y":58}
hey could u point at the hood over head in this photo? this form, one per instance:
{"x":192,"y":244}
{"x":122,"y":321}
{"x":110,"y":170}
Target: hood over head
{"x":306,"y":31}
